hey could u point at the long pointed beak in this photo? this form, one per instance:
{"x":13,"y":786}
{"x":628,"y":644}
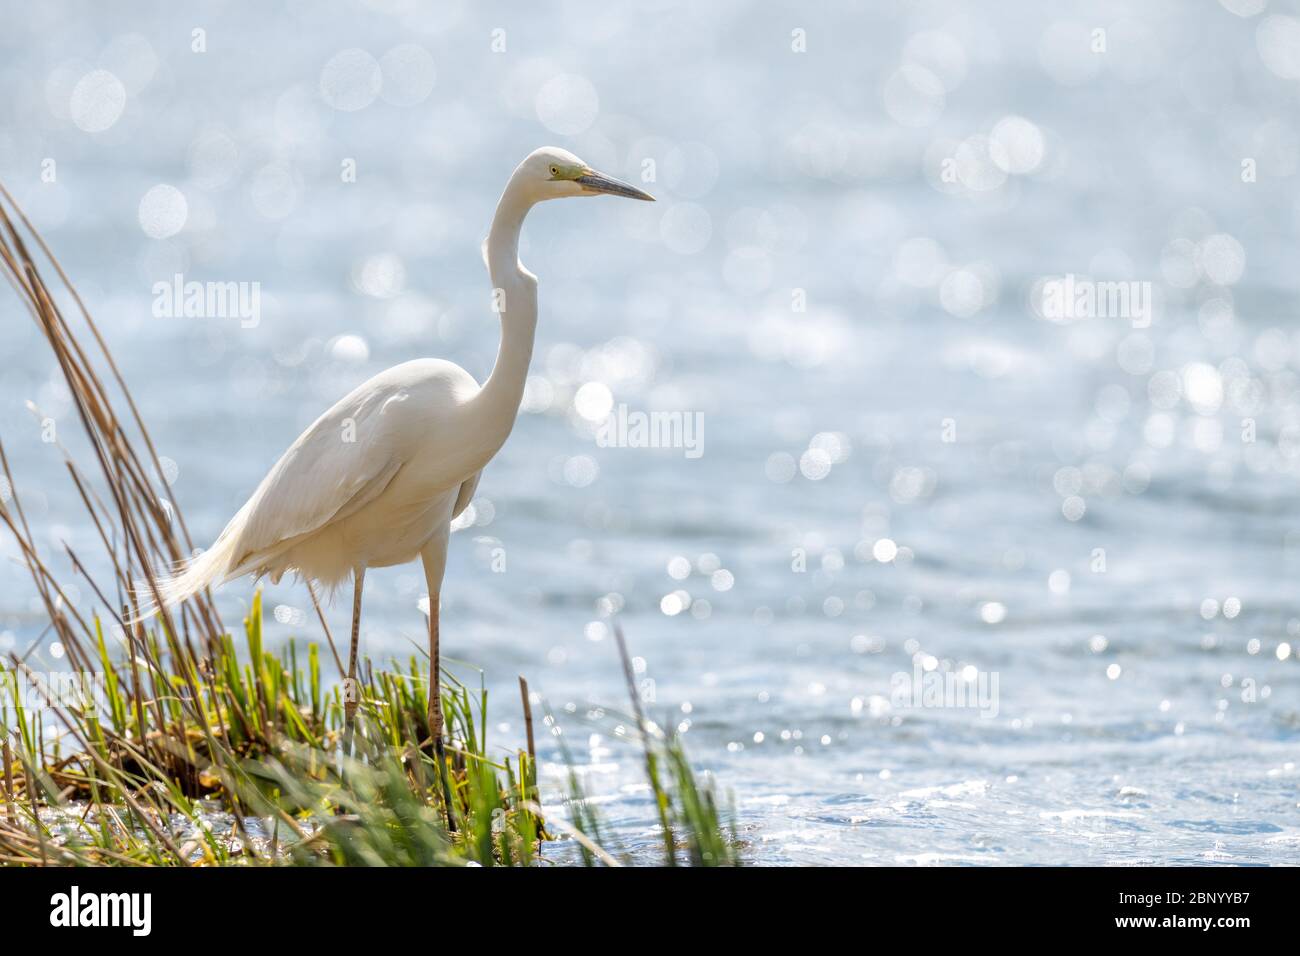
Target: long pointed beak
{"x":600,"y":183}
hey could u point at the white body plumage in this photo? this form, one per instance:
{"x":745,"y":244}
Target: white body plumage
{"x":366,"y":485}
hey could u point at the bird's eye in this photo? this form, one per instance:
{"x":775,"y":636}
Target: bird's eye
{"x":555,"y":170}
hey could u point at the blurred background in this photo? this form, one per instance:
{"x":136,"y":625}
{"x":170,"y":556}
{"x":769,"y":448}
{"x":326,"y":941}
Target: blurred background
{"x":907,"y":464}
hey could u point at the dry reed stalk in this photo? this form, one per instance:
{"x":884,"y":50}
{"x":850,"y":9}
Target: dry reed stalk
{"x":528,"y":719}
{"x":137,"y":529}
{"x":7,"y":755}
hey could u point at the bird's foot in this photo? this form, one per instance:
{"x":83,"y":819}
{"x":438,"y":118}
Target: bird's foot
{"x":349,"y":730}
{"x":440,"y":759}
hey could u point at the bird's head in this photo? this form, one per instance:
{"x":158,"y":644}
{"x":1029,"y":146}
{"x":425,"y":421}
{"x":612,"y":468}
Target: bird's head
{"x":554,"y":173}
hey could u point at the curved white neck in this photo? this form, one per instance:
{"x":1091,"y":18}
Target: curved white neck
{"x":514,"y":296}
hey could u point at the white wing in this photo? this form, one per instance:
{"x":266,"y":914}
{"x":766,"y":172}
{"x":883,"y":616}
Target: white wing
{"x":337,"y":466}
{"x":344,"y":460}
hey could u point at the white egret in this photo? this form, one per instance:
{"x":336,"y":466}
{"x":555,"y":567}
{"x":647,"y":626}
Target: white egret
{"x":377,"y":479}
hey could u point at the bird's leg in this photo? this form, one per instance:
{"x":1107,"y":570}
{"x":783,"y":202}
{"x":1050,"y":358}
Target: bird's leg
{"x":435,"y":710}
{"x":434,"y":557}
{"x":351,"y":692}
{"x":435,"y":691}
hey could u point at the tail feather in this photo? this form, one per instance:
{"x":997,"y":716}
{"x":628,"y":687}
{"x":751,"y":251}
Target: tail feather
{"x":211,"y":567}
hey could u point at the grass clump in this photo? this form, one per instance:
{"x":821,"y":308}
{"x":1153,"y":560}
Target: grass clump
{"x":240,"y":762}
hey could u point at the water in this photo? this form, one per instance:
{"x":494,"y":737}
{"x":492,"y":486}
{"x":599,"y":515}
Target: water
{"x":1098,"y":533}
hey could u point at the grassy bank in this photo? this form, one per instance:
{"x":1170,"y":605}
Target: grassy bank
{"x":179,"y":745}
{"x":237,"y":759}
